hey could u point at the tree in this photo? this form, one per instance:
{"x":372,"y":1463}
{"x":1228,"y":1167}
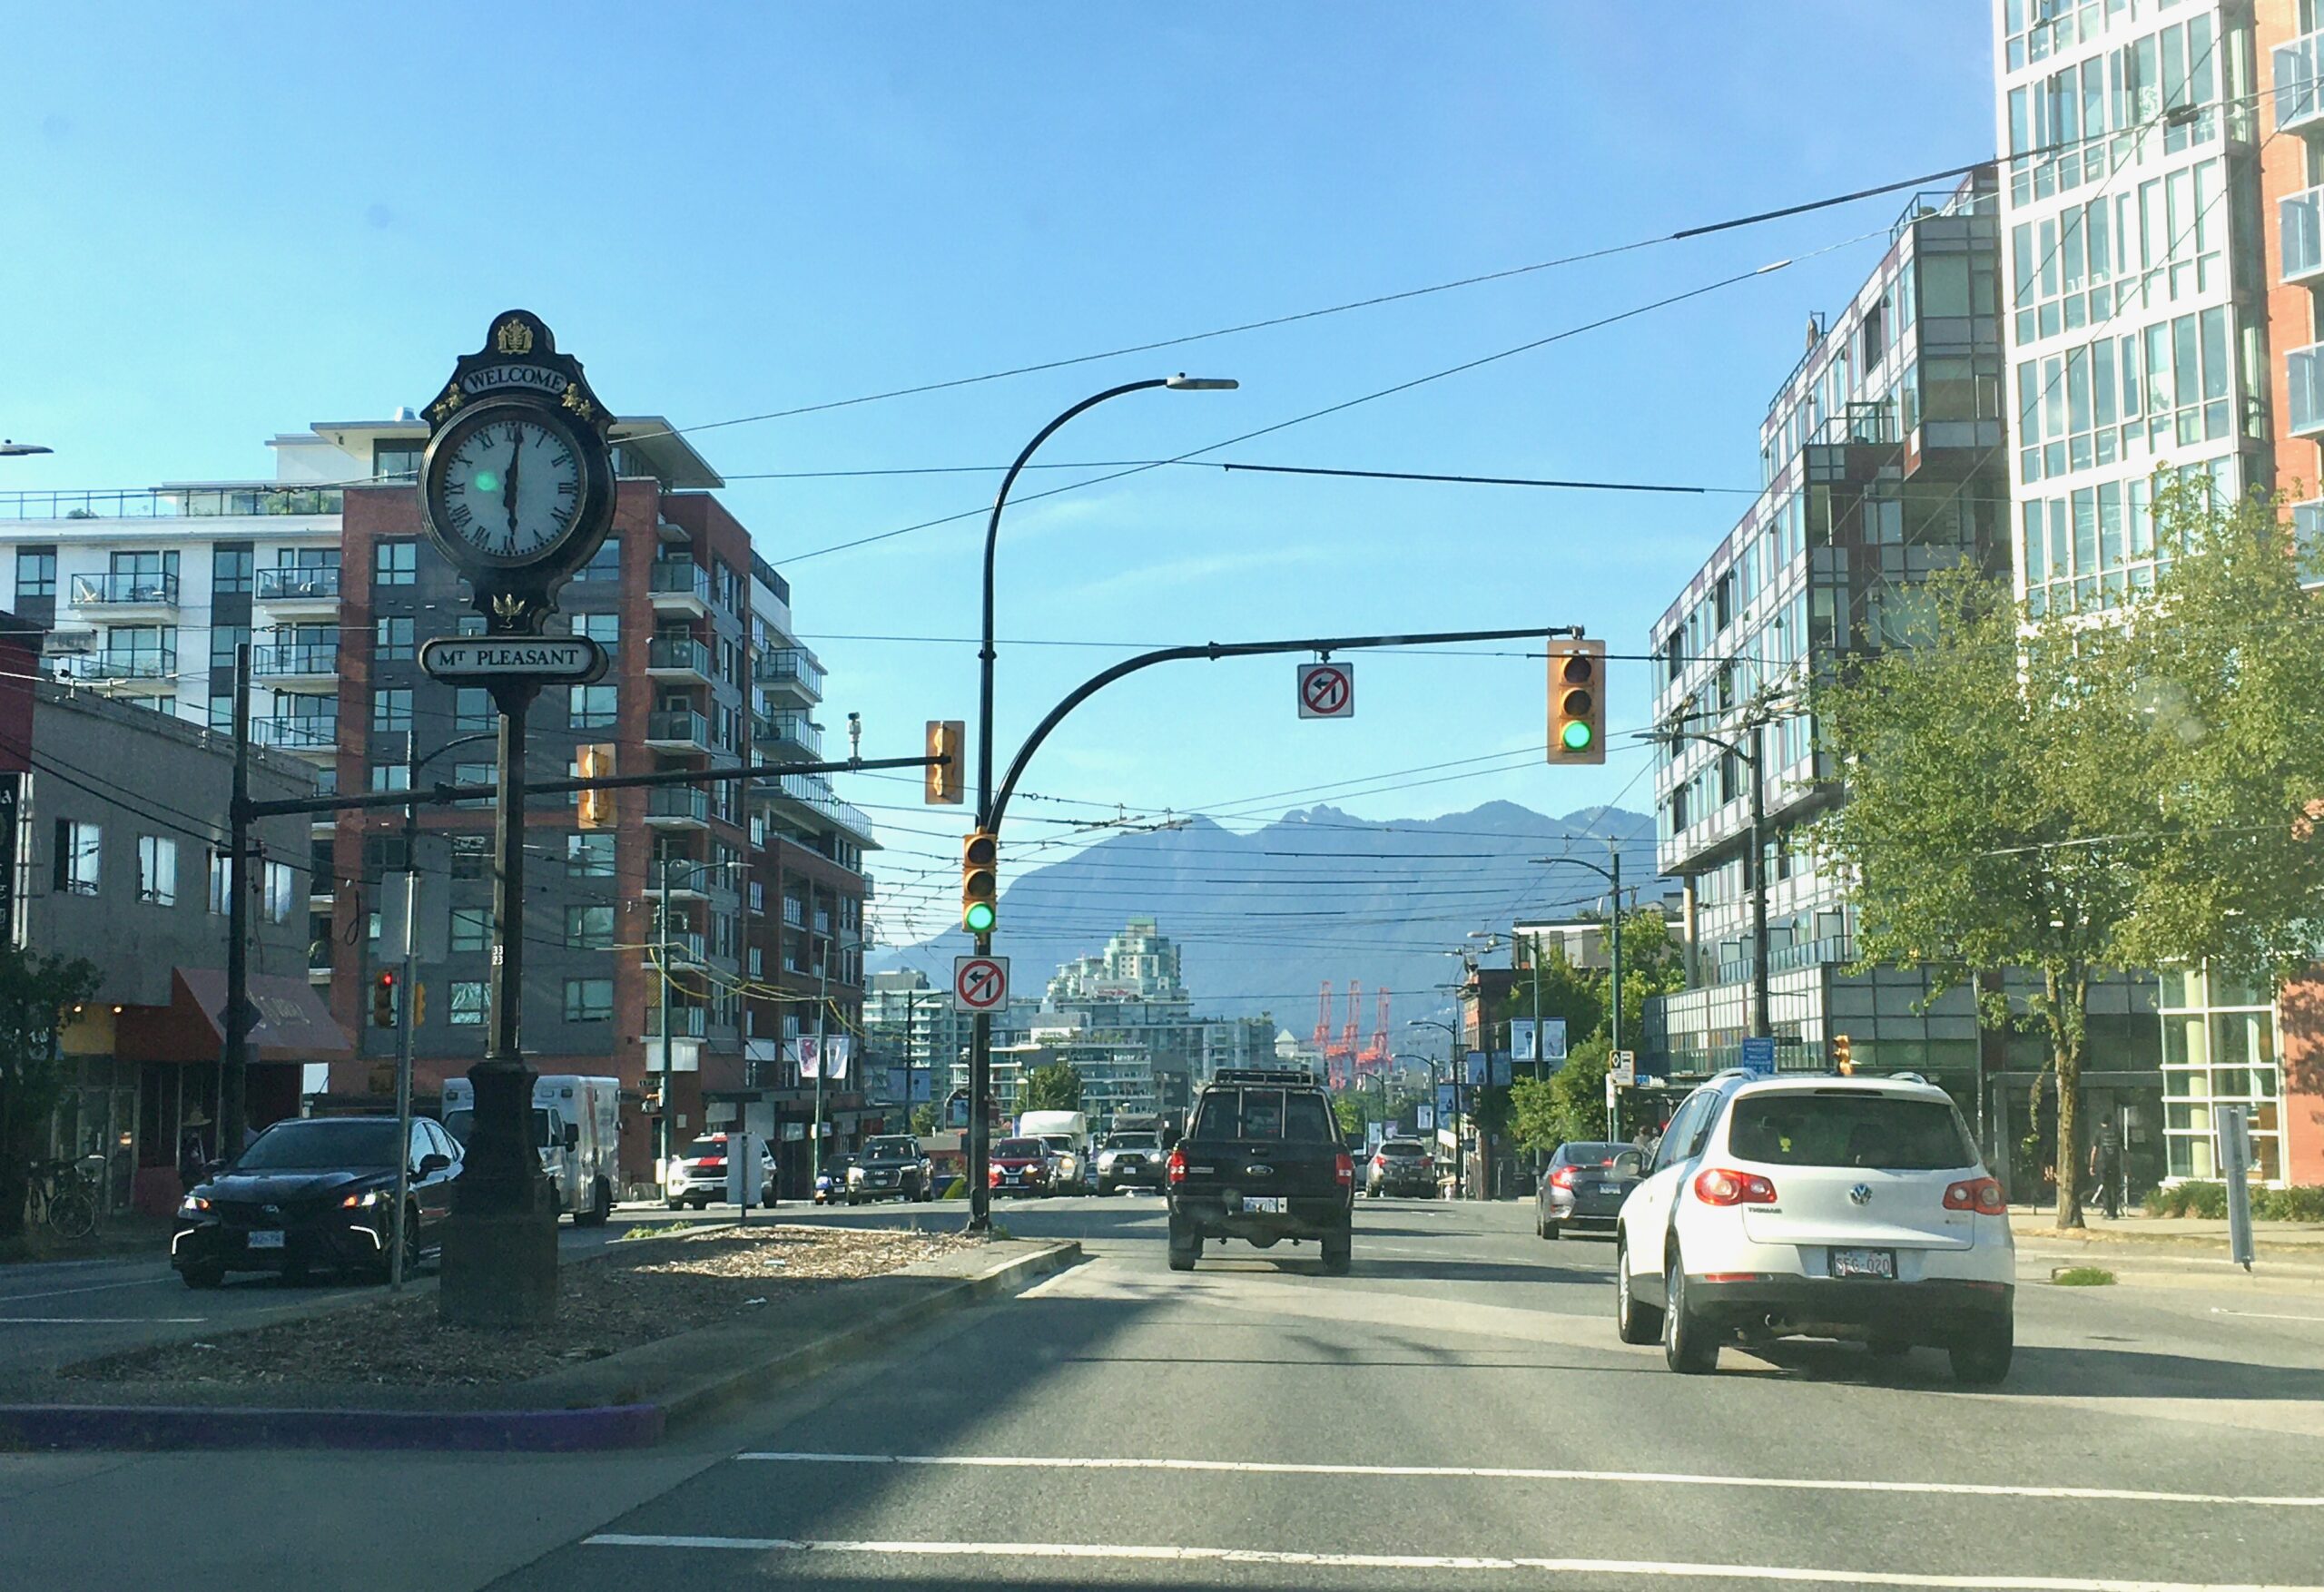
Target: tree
{"x":1054,"y":1087}
{"x":2038,"y":791}
{"x":923,"y":1118}
{"x":1348,"y":1110}
{"x":38,"y":997}
{"x":1570,"y":1103}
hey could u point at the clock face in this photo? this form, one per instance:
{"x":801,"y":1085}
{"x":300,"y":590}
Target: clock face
{"x":509,"y":486}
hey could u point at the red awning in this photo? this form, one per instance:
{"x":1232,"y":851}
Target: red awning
{"x":293,"y":1024}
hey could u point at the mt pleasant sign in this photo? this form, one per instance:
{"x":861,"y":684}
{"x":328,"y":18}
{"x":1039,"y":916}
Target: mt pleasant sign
{"x":560,"y":660}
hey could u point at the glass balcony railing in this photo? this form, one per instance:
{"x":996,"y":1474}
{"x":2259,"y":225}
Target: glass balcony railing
{"x":297,"y":585}
{"x":2308,"y":539}
{"x":2304,"y":369}
{"x":295,"y":658}
{"x":815,"y":791}
{"x":794,"y":666}
{"x":794,"y":731}
{"x":2299,"y":66}
{"x":678,"y":652}
{"x":143,"y":590}
{"x":679,"y":577}
{"x":170,"y":502}
{"x":296,"y":734}
{"x":677,"y":724}
{"x":144,"y":664}
{"x":2300,"y":223}
{"x":678,"y":801}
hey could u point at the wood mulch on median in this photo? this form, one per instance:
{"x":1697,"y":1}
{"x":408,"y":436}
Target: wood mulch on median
{"x":640,"y":1290}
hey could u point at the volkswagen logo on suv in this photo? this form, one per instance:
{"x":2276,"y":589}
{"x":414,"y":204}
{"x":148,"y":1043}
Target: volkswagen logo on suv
{"x":1861,"y":1194}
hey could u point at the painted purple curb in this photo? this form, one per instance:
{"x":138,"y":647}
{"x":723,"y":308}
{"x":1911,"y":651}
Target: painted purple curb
{"x":117,"y":1426}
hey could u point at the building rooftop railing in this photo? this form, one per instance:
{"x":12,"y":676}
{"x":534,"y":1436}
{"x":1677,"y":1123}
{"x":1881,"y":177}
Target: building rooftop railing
{"x":172,"y":503}
{"x":1966,"y":200}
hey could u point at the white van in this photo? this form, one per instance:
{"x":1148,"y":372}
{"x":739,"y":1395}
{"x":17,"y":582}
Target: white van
{"x":577,"y":1127}
{"x":1067,"y":1132}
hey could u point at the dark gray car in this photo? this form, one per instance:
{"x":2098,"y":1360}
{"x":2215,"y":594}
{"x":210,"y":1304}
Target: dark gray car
{"x":1583,"y":1186}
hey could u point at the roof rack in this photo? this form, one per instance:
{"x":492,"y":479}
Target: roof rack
{"x":1908,"y":1078}
{"x":1732,"y":1072}
{"x":1254,"y":1075}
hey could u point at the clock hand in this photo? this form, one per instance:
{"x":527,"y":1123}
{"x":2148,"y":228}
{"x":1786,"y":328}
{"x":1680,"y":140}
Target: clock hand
{"x":508,"y":493}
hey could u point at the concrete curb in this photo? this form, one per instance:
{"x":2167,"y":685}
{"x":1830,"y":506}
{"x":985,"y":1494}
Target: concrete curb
{"x":639,"y":1421}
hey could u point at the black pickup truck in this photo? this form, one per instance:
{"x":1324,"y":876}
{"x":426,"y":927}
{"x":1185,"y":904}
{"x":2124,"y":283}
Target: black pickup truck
{"x":1262,"y":1161}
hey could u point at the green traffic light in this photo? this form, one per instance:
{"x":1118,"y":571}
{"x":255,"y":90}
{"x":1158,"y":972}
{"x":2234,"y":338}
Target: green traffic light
{"x":486,"y":481}
{"x":1576,"y":737}
{"x":978,"y":918}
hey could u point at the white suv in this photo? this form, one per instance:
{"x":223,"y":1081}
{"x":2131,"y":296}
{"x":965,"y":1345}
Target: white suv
{"x":1832,"y":1208}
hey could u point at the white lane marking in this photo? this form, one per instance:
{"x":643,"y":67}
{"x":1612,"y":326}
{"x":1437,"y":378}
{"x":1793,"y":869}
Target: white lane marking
{"x":1666,"y":1568}
{"x":2265,"y":1315}
{"x":1532,"y":1473}
{"x":100,"y":1321}
{"x":93,"y":1288}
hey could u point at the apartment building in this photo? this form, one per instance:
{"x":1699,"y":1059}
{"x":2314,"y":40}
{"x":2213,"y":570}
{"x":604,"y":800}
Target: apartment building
{"x":325,"y":573}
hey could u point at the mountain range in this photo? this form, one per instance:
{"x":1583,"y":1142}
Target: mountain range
{"x":1264,"y":916}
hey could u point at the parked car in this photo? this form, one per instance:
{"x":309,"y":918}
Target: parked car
{"x":1128,"y":1160}
{"x":1262,"y":1161}
{"x":697,"y":1175}
{"x":314,"y":1194}
{"x":891,"y":1167}
{"x":1401,"y":1166}
{"x":1583,"y":1186}
{"x":1832,"y":1208}
{"x":1023,"y":1166}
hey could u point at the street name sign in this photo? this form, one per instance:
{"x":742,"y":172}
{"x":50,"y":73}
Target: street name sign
{"x":979,"y":984}
{"x":561,"y":659}
{"x":1326,"y":691}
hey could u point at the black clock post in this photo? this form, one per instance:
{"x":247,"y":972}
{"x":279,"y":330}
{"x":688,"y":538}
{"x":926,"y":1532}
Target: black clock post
{"x":517,"y":487}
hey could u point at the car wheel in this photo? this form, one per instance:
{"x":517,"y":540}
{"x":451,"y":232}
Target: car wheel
{"x":1982,"y":1359}
{"x":1687,"y":1346}
{"x":1339,"y":1248}
{"x":1186,"y":1248}
{"x":601,"y":1206}
{"x":411,"y":1248}
{"x":1549,"y":1230}
{"x":1633,"y":1323}
{"x":1889,"y":1348}
{"x":204,"y":1276}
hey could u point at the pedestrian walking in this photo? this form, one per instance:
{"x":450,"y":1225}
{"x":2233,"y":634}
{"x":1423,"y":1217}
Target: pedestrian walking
{"x":2106,"y":1161}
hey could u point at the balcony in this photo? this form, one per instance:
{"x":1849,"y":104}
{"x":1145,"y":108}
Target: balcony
{"x":313,"y":737}
{"x":679,"y":586}
{"x":687,"y":1022}
{"x":677,"y":806}
{"x":2299,"y":225}
{"x":814,"y":792}
{"x":677,"y":730}
{"x":307,"y":591}
{"x":2299,"y":66}
{"x":147,"y":670}
{"x":156,"y":592}
{"x":787,"y":734}
{"x":172,"y":503}
{"x":289,"y":660}
{"x":2308,"y":540}
{"x":794,"y":670}
{"x":2304,"y":369}
{"x":678,"y":657}
{"x":685,"y":945}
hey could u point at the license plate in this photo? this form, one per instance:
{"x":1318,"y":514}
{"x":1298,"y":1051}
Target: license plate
{"x":1864,"y":1262}
{"x":1608,"y":1188}
{"x":265,"y":1238}
{"x":1265,"y":1205}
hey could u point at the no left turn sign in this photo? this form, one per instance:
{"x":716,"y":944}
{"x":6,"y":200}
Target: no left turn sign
{"x":979,"y":984}
{"x":1326,"y":691}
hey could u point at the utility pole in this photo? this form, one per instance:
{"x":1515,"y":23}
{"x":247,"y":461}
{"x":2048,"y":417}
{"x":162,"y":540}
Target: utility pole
{"x":823,"y":1069}
{"x":408,"y":1009}
{"x":1614,"y":1022}
{"x":235,"y":1021}
{"x":1762,"y":1024}
{"x":662,"y":966}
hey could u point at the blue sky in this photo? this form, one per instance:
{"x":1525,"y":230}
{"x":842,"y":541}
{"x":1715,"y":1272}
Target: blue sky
{"x":222,"y":222}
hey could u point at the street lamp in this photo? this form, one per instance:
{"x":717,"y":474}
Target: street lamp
{"x":1453,"y":1074}
{"x":980,"y":1031}
{"x":1613,"y":878}
{"x":1756,"y":720}
{"x":822,"y":1056}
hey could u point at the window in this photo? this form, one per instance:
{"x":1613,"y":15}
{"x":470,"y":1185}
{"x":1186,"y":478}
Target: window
{"x":230,"y":569}
{"x":1850,"y":1130}
{"x":1293,"y":1117}
{"x":589,"y":929}
{"x":78,"y":850}
{"x":588,"y":1001}
{"x":605,"y":563}
{"x":281,"y":884}
{"x":395,"y":563}
{"x":223,"y":640}
{"x":393,"y":643}
{"x":35,"y":572}
{"x":390,"y":776}
{"x":222,"y":713}
{"x":391,"y":709}
{"x":219,"y":878}
{"x":758,"y":961}
{"x":604,"y":629}
{"x":157,"y":871}
{"x":470,"y":624}
{"x":473,"y":711}
{"x":476,"y":773}
{"x":469,"y":1003}
{"x":589,"y":856}
{"x":594,"y":707}
{"x":471,"y":928}
{"x":396,"y":460}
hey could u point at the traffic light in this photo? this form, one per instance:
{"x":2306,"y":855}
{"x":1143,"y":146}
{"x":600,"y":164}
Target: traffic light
{"x":419,"y":1003}
{"x":596,"y":762}
{"x":980,"y":880}
{"x":1842,"y":1063}
{"x":1577,"y":702}
{"x":383,"y":1001}
{"x":946,"y":738}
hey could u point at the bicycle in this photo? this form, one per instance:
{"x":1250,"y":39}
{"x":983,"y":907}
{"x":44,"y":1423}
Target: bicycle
{"x":64,"y":1195}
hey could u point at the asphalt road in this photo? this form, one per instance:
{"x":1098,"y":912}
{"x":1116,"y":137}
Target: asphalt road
{"x":1456,"y":1412}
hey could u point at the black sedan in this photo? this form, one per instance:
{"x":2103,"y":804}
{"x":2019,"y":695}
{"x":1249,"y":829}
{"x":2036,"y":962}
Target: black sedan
{"x":312,"y":1194}
{"x":1583,"y":1186}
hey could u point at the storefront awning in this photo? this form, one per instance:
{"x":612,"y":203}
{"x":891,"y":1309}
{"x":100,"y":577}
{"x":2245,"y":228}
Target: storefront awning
{"x":293,"y":1024}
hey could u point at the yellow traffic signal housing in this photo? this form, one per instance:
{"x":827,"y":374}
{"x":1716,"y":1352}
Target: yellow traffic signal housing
{"x":419,"y":1003}
{"x":947,"y":738}
{"x":980,"y":882}
{"x":383,"y":1001}
{"x":596,"y":763}
{"x":1843,"y":1062}
{"x":1577,"y":702}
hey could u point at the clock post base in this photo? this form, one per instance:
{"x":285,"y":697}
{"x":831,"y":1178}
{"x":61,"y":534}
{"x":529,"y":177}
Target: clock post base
{"x":499,"y":1270}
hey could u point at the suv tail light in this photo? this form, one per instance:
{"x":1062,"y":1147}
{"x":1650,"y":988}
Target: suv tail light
{"x":1719,"y":1186}
{"x":1981,"y":1195}
{"x":1343,"y":1170}
{"x":1563,"y":1176}
{"x":1177,"y":1163}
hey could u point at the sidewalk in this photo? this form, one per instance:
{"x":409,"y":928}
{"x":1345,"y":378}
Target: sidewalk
{"x":2039,"y":1224}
